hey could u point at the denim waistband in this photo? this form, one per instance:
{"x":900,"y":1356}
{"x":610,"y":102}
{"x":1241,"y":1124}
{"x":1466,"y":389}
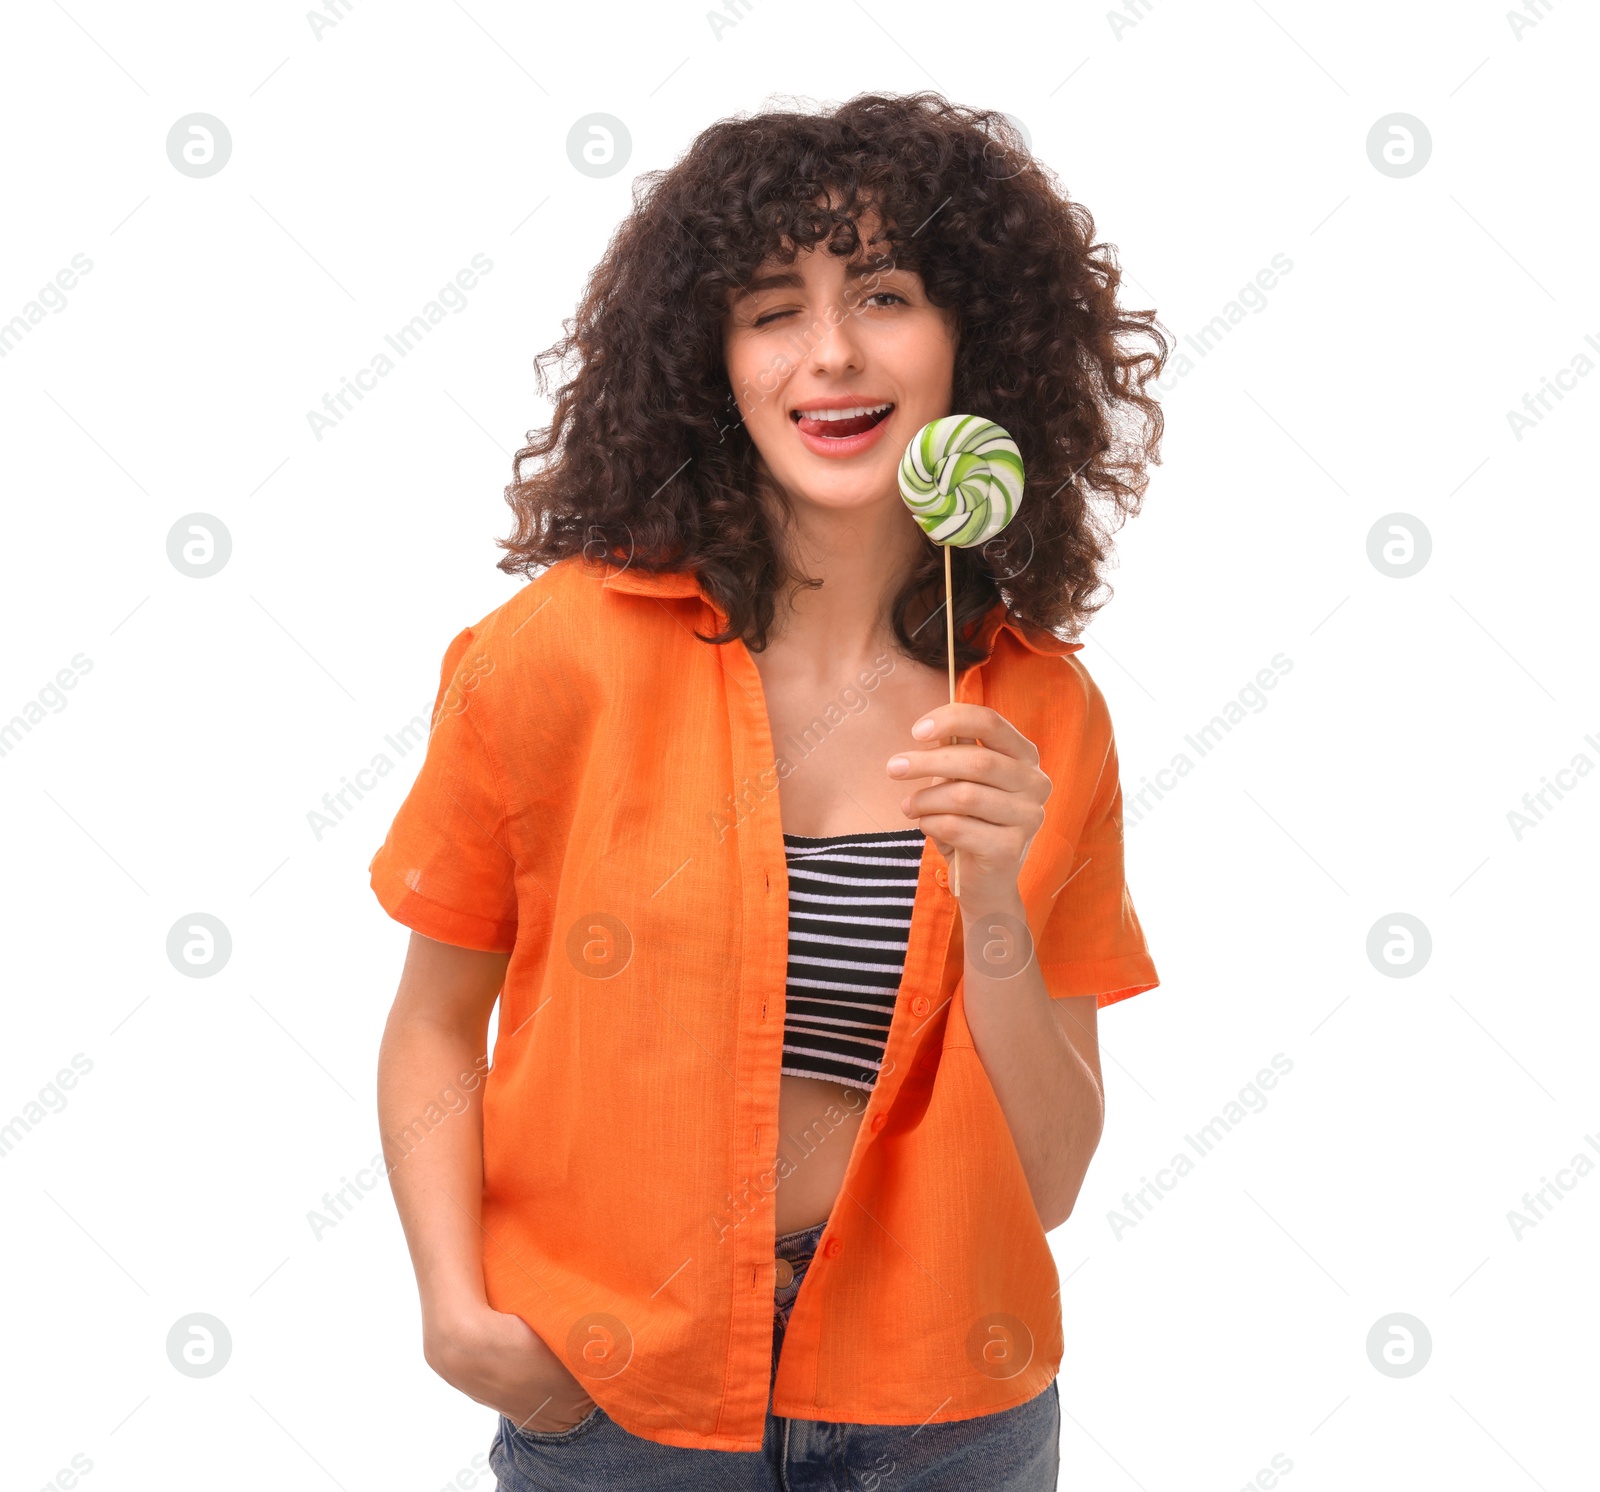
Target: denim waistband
{"x":801,"y":1245}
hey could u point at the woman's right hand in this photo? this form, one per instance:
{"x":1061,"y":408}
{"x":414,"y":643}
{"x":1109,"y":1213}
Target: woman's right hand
{"x":500,"y":1361}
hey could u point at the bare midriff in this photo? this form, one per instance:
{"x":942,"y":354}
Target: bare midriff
{"x":817,"y":1125}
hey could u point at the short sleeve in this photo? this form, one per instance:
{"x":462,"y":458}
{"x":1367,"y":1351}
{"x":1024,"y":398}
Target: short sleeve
{"x":1092,"y":943}
{"x":445,"y":869}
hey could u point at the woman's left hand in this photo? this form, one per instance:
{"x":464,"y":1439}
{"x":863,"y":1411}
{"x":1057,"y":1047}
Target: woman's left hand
{"x":989,"y":805}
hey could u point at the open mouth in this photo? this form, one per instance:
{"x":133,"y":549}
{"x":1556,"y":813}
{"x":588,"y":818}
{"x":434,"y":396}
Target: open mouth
{"x":841,"y":424}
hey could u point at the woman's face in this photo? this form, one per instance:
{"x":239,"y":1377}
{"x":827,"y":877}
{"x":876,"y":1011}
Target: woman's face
{"x":836,"y":364}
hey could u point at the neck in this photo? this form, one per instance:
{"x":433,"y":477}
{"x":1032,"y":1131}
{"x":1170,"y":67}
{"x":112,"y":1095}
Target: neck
{"x":862,"y":557}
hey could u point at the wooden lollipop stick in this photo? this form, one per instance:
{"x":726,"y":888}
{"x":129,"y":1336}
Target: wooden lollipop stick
{"x":950,"y":653}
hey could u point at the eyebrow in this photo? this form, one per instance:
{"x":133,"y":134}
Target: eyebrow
{"x":791,"y":280}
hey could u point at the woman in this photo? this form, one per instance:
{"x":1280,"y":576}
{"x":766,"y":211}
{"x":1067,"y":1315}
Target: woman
{"x":760,"y":1178}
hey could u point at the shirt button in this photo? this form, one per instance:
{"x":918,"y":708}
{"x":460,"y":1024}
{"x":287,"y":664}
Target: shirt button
{"x":831,"y":1248}
{"x":919,"y":1006}
{"x":941,"y":878}
{"x":878,"y":1121}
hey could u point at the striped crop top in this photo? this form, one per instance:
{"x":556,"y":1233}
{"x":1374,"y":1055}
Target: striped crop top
{"x":850,"y":899}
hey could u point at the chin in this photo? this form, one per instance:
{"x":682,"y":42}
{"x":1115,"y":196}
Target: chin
{"x":859,"y":491}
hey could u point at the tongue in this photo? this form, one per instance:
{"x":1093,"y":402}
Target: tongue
{"x":839,"y":429}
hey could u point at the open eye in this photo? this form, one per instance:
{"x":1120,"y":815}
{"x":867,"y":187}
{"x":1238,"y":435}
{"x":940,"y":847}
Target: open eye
{"x":886,"y":295}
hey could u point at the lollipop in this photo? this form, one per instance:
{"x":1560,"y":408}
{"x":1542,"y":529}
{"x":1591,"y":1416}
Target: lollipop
{"x":961,"y":477}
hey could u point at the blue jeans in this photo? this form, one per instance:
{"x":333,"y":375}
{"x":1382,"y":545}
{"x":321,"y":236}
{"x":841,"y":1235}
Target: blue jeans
{"x":1015,"y":1450}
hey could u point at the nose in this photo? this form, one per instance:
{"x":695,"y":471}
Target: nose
{"x":837,"y":349}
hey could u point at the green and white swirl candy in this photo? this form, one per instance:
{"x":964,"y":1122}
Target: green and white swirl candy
{"x":961,"y":476}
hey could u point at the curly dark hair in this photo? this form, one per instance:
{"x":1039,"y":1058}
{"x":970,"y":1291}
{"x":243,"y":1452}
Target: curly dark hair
{"x":645,"y":459}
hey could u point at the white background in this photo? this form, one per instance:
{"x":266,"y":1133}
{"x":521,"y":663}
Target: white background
{"x":368,"y":167}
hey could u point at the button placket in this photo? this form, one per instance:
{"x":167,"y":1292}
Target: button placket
{"x":760,"y":847}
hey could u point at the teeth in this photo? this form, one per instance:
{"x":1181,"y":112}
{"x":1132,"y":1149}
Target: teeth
{"x":844,"y":414}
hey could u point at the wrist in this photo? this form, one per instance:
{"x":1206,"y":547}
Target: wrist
{"x":977,"y":905}
{"x":998,"y":940}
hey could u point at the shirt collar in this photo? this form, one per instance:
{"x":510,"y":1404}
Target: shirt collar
{"x":679,"y":584}
{"x":667,"y":584}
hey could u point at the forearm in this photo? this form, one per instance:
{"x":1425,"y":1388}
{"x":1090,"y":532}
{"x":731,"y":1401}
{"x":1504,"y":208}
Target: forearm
{"x":430,"y":1112}
{"x":1051,"y":1096}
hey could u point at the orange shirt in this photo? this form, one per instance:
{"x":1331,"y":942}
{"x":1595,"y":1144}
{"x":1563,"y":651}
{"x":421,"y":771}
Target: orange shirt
{"x":599,"y":799}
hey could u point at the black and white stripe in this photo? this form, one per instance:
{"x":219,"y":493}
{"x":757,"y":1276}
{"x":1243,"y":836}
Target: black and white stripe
{"x":850,"y":900}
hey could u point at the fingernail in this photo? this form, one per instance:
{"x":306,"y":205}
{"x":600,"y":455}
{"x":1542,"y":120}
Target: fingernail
{"x":898,"y":765}
{"x":922,"y":729}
